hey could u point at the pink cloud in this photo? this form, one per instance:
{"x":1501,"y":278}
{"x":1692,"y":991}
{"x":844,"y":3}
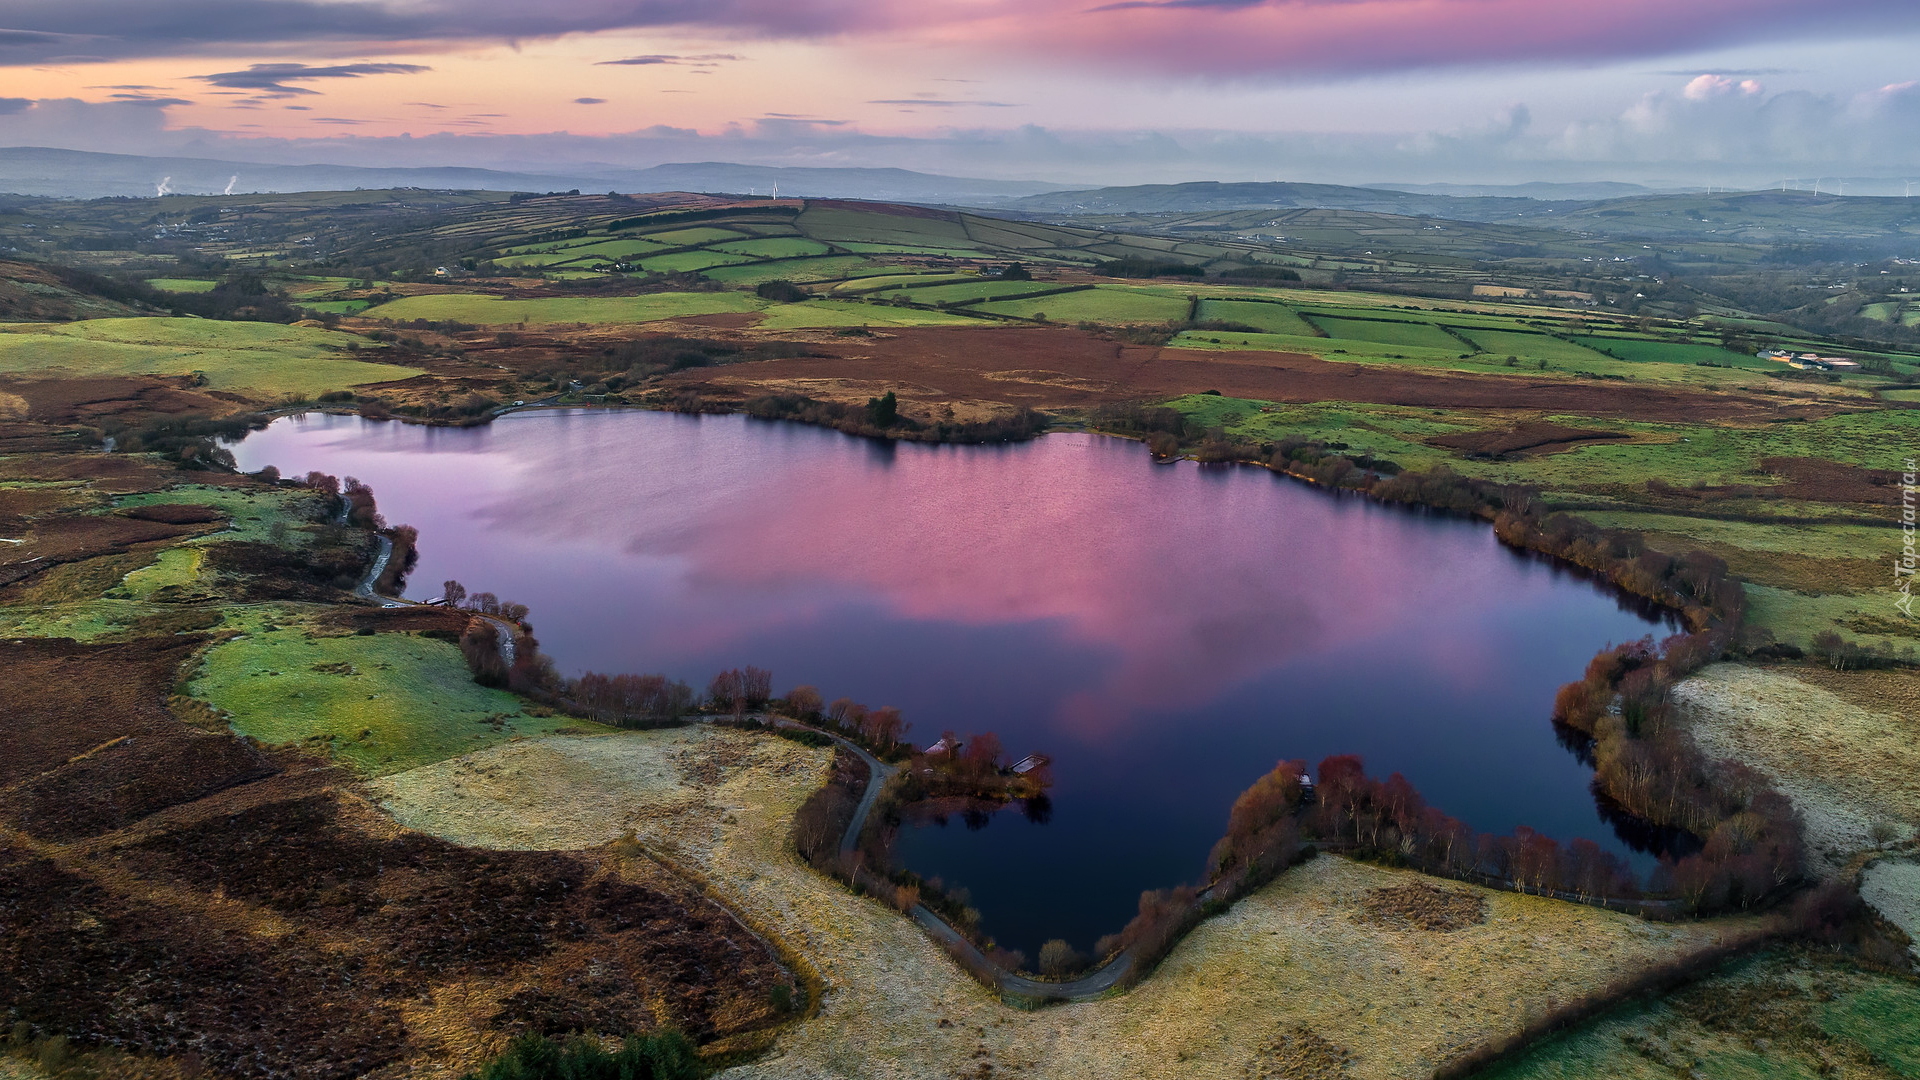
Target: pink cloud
{"x":1226,"y":38}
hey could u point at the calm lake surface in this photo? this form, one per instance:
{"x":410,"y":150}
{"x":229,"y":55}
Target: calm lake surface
{"x":1165,"y":632}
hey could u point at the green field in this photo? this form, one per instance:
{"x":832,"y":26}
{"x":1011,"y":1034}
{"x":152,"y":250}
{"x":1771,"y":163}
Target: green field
{"x":912,"y":249}
{"x":776,"y":247}
{"x":494,"y":311}
{"x":1272,"y":318}
{"x":254,"y":515}
{"x":1536,"y":347}
{"x":337,"y":307}
{"x":836,"y":313}
{"x":822,"y":268}
{"x":687,"y":262}
{"x":849,"y":227}
{"x":881,"y":282}
{"x":382,"y":703}
{"x":1673,"y":352}
{"x":1105,"y":304}
{"x":702,"y":234}
{"x":262,"y":359}
{"x":305,"y":286}
{"x":1345,"y":349}
{"x":182,"y":285}
{"x":1416,"y":335}
{"x":85,"y":620}
{"x":973,"y":289}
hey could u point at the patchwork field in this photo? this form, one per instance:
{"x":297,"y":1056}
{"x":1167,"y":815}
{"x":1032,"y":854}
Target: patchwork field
{"x":1301,"y":956}
{"x":496,"y":311}
{"x":261,"y":359}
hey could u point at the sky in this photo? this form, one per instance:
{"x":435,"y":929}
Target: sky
{"x":1745,"y":93}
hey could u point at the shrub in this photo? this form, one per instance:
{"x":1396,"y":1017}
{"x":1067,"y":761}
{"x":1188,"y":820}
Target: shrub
{"x":664,"y":1055}
{"x":781,"y":292}
{"x":1059,"y":960}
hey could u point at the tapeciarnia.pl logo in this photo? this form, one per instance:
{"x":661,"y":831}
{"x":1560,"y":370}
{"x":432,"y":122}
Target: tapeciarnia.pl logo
{"x":1904,"y":566}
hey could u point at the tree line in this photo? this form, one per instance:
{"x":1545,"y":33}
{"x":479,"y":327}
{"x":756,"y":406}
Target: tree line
{"x":881,"y":418}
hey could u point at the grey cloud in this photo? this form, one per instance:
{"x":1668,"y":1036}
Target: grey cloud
{"x":1664,"y":138}
{"x":708,"y":60}
{"x":944,"y":103}
{"x":589,"y":101}
{"x":150,"y":100}
{"x":271,"y":79}
{"x":38,"y":29}
{"x":11,"y":105}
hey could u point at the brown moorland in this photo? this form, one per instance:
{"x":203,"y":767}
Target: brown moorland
{"x":170,"y":891}
{"x":1042,"y":367}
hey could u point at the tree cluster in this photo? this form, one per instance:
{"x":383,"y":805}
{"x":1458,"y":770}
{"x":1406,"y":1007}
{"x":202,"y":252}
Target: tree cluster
{"x":1750,"y":836}
{"x":630,"y":700}
{"x":873,"y":419}
{"x":881,"y":730}
{"x":1147,"y":268}
{"x":741,"y":690}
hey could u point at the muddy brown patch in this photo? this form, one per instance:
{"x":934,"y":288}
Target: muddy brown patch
{"x":1420,"y":906}
{"x":1300,"y":1055}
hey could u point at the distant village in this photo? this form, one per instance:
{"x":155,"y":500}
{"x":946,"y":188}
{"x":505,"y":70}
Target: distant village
{"x":1807,"y":361}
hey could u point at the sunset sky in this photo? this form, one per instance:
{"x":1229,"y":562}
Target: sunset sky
{"x":1664,"y":91}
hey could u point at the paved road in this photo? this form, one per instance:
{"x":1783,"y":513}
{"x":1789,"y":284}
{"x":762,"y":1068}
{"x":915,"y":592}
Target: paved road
{"x":506,"y":630}
{"x":1091,"y":985}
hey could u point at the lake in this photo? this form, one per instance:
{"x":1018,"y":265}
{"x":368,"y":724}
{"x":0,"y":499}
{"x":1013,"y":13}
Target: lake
{"x":1166,"y":632}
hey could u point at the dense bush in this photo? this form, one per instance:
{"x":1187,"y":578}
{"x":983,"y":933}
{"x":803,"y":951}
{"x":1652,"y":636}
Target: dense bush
{"x":1144,"y":268}
{"x":866,"y":420}
{"x":666,"y":1055}
{"x":781,"y":292}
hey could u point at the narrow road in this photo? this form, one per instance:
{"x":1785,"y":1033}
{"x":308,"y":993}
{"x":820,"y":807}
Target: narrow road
{"x":1088,"y":986}
{"x":505,"y":629}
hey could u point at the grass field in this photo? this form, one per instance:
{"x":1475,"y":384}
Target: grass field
{"x":1396,"y":334}
{"x":1271,"y":318}
{"x":1674,"y":352}
{"x":884,"y":281}
{"x":687,"y":262}
{"x":1756,"y":1020}
{"x":836,"y":313}
{"x":821,"y":268}
{"x":182,"y":285}
{"x":337,"y":307}
{"x":381,"y":703}
{"x":1347,"y":349}
{"x":702,"y":234}
{"x":494,"y":311}
{"x":1536,"y":347}
{"x":1105,"y":304}
{"x":973,"y":289}
{"x":255,"y":515}
{"x":262,"y":360}
{"x":775,"y":247}
{"x":84,"y":620}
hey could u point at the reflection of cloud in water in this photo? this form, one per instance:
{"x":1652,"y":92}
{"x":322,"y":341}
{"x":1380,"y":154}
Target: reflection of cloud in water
{"x":1083,"y":534}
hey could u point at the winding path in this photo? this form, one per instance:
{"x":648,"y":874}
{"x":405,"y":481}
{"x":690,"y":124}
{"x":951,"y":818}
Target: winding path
{"x":505,"y":630}
{"x":1091,"y":985}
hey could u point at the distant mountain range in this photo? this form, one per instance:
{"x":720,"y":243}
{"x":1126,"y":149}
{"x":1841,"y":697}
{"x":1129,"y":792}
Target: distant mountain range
{"x":1212,"y":197}
{"x":75,"y":174}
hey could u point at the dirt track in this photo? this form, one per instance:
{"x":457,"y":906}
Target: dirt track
{"x":1064,"y":368}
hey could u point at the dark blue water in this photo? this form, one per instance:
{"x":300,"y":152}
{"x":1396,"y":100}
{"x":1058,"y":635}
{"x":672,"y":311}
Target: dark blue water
{"x":1165,"y":632}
